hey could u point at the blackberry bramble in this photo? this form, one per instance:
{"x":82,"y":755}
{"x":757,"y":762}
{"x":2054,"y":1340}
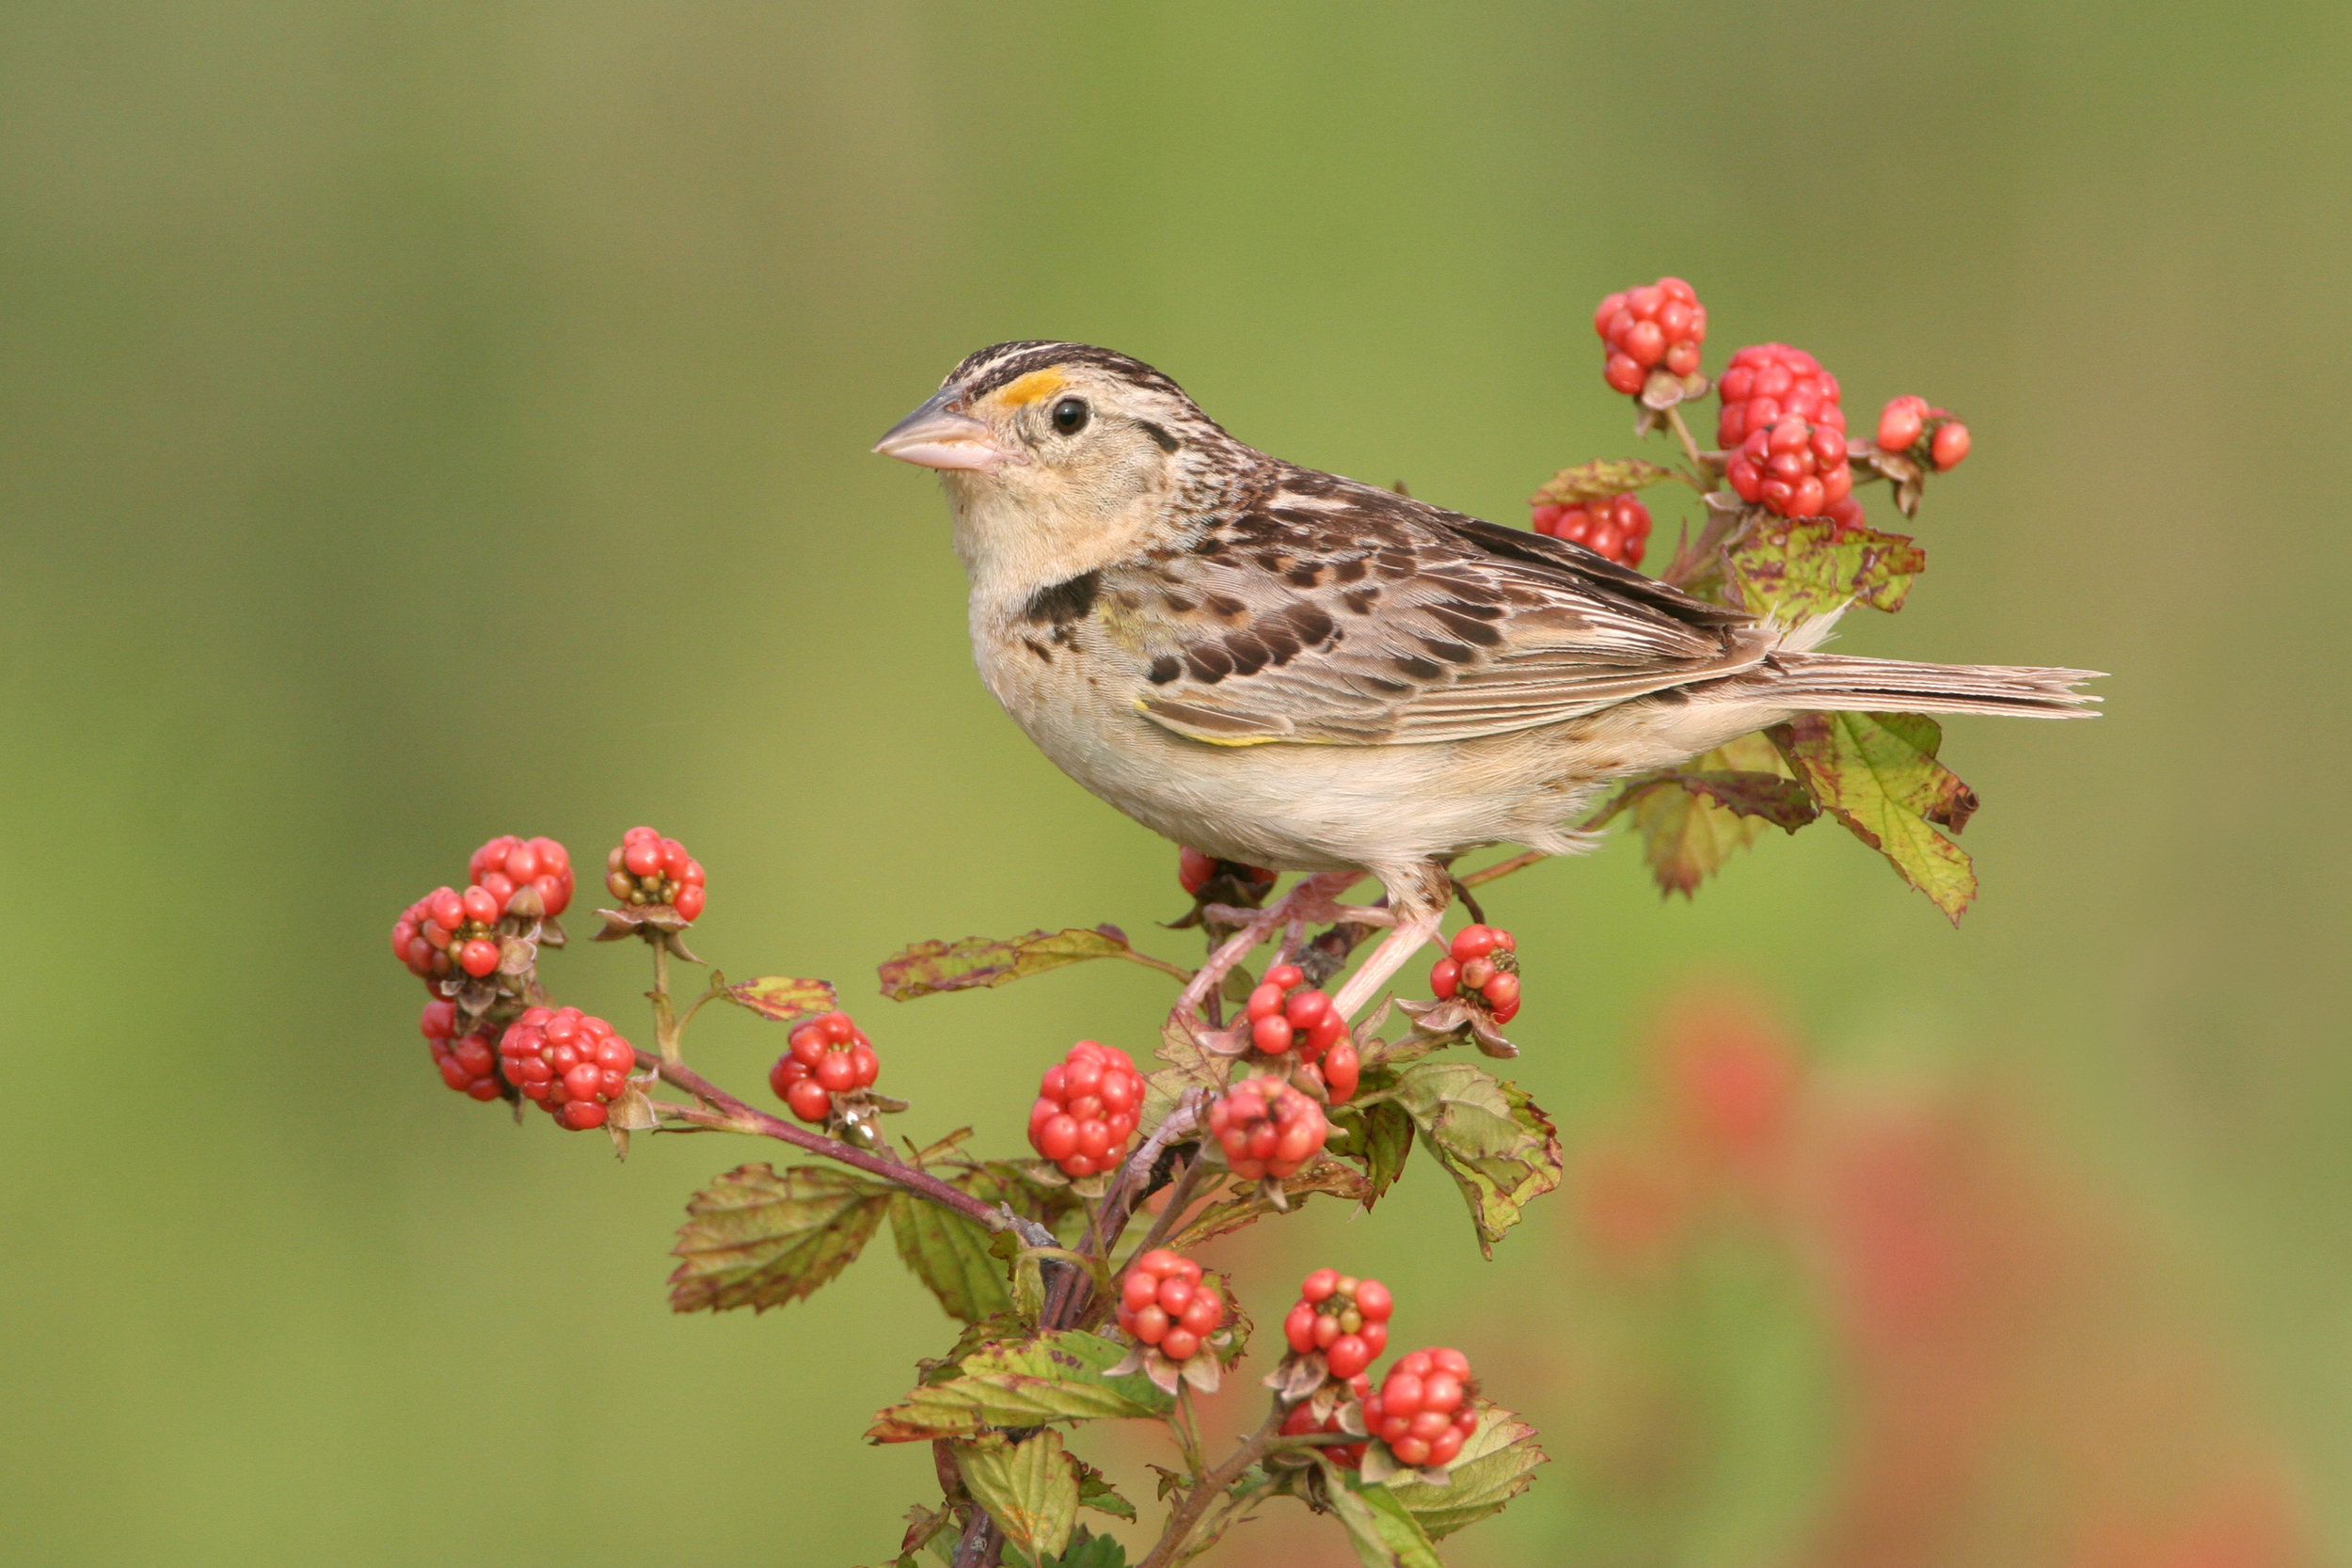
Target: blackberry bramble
{"x":1909,"y":427}
{"x":1767,"y":383}
{"x":1797,"y":470}
{"x":828,"y":1057}
{"x":1086,"y":1109}
{"x":1657,"y":325}
{"x":1301,"y":1421}
{"x":529,"y":877}
{"x":570,"y":1062}
{"x":467,"y":1063}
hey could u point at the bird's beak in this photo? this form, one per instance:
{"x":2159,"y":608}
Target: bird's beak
{"x":936,"y":436}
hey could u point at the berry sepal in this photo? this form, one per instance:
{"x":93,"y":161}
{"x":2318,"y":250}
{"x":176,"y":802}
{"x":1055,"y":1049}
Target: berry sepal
{"x":1453,"y":1021}
{"x":655,"y":923}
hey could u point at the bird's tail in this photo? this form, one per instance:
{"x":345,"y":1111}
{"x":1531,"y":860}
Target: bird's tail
{"x":1839,"y":683}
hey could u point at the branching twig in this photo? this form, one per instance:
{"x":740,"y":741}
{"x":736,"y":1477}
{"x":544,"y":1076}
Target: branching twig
{"x":1207,"y":1491}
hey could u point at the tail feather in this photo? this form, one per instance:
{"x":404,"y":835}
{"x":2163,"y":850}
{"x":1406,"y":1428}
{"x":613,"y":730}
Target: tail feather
{"x":1841,"y":683}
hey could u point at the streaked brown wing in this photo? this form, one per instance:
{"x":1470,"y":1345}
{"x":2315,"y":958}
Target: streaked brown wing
{"x":1328,"y":610}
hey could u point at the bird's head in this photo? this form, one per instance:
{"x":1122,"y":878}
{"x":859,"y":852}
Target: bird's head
{"x":1058,"y":457}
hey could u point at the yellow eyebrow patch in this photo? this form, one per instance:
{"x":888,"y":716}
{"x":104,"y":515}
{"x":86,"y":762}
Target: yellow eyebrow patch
{"x":1031,"y":387}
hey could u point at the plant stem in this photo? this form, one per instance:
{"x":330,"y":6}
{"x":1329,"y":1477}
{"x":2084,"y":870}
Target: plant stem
{"x":1501,"y":868}
{"x":666,"y":1024}
{"x":1204,"y":1495}
{"x":735,"y":1117}
{"x":1682,"y":434}
{"x":980,"y":1545}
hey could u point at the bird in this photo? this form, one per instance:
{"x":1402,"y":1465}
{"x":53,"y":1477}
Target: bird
{"x":1289,"y":668}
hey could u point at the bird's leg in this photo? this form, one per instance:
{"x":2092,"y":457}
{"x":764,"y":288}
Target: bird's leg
{"x":1417,"y":908}
{"x":1311,"y":900}
{"x":1395,"y":951}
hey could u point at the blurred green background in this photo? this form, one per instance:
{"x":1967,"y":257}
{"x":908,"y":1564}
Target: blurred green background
{"x":421,"y":421}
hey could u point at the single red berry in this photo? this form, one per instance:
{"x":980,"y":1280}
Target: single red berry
{"x":1502,"y":991}
{"x":1472,"y":942}
{"x":1086,"y":1107}
{"x":479,"y":958}
{"x":1193,"y":869}
{"x":1283,"y":976}
{"x":1948,"y":445}
{"x":1271,"y":1034}
{"x":1342,"y":1071}
{"x":1445,"y":977}
{"x":1900,"y":423}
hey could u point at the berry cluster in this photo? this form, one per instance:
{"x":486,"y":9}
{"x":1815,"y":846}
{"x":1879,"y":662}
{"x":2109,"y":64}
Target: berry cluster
{"x":1797,"y":470}
{"x":1194,"y":871}
{"x":1267,"y":1128}
{"x":827,"y":1056}
{"x":1085,"y":1110}
{"x":1931,"y":436}
{"x":467,"y":1063}
{"x":1658,"y":323}
{"x":1767,"y":383}
{"x":1163,"y":1303}
{"x":447,"y":932}
{"x":1614,"y":526}
{"x":1343,"y":1317}
{"x":507,"y":866}
{"x":1483,"y":960}
{"x":650,"y":869}
{"x":571,"y":1062}
{"x":1423,"y":1411}
{"x":1301,"y":1421}
{"x":1286,"y":1014}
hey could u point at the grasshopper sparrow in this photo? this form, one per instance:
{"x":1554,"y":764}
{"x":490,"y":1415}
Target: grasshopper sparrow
{"x":1290,"y":668}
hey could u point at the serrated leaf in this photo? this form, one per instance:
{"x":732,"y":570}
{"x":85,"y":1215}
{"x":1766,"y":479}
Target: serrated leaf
{"x":1381,"y":1135}
{"x":1792,"y":569}
{"x":1058,"y":1377}
{"x":925,"y":1526}
{"x":1030,"y":1488}
{"x":1598,"y":481}
{"x":1331,"y":1178}
{"x":1877,"y":773}
{"x":1097,"y":1494}
{"x":783,"y":998}
{"x":1381,"y":1529}
{"x":1086,"y":1550}
{"x":930,"y":967}
{"x":949,"y":1255}
{"x":757,"y":1239}
{"x":1497,"y":1464}
{"x":1693,"y":818}
{"x":1501,"y":1150}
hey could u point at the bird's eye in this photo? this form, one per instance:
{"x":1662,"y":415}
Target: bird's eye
{"x":1070,"y":416}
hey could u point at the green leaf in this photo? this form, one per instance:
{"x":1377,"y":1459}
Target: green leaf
{"x":1030,"y":1488}
{"x":927,"y":1529}
{"x":1055,"y":1378}
{"x":1096,"y":1493}
{"x":930,"y":967}
{"x":1792,"y":569}
{"x":1381,"y":1135}
{"x":1248,"y":1206}
{"x":1877,"y":773}
{"x":1496,"y":1464}
{"x":1381,"y":1529}
{"x":782,"y":998}
{"x":1087,"y":1550}
{"x":1500,"y":1149}
{"x":755,"y":1238}
{"x":1598,"y":481}
{"x":1693,"y":818}
{"x":949,"y":1255}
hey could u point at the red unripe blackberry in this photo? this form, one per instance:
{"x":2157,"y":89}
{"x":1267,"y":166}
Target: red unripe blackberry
{"x":1797,"y":470}
{"x":1165,"y":1303}
{"x":467,"y":1064}
{"x":1423,"y":1411}
{"x":1658,"y":323}
{"x":1285,"y":1014}
{"x":1768,"y":383}
{"x":1193,"y":869}
{"x":825,"y":1057}
{"x":1341,"y":1069}
{"x":1481,"y":961}
{"x":1928,"y":436}
{"x":1086,"y":1109}
{"x":647,"y":869}
{"x":507,"y":864}
{"x":1617,"y":527}
{"x":1948,"y":445}
{"x":1266,"y":1126}
{"x":1344,"y":1318}
{"x":1301,"y":1421}
{"x":570,"y":1062}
